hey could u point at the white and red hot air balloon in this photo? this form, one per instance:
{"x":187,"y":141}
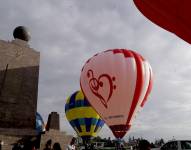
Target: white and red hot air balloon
{"x":116,"y":83}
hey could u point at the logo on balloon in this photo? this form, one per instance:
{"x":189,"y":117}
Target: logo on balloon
{"x":102,"y":87}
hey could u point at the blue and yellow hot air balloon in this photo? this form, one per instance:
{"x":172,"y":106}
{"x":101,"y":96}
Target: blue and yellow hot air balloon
{"x":82,"y":117}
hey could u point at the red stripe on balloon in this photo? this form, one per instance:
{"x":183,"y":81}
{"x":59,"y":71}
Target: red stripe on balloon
{"x":126,"y":53}
{"x":119,"y":131}
{"x":138,"y":87}
{"x":141,"y":57}
{"x":149,"y":88}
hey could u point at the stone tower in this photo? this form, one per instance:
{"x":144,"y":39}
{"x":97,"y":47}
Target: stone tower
{"x":19,"y":72}
{"x":53,"y":121}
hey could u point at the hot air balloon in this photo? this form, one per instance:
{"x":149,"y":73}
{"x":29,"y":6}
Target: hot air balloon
{"x":116,"y":83}
{"x":40,"y":126}
{"x":82,"y":117}
{"x":172,"y":15}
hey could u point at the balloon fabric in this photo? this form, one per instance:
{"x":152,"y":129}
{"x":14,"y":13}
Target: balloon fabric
{"x":172,"y":15}
{"x":40,"y":126}
{"x":116,"y":83}
{"x":82,"y":117}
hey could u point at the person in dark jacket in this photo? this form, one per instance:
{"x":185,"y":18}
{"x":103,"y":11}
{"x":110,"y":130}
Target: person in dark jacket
{"x":56,"y":146}
{"x":144,"y":145}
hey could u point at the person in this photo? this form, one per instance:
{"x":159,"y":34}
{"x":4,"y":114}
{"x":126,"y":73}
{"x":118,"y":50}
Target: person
{"x":33,"y":148}
{"x":72,"y":146}
{"x":56,"y":146}
{"x":48,"y":145}
{"x":92,"y":146}
{"x":144,"y":145}
{"x":17,"y":146}
{"x":122,"y":147}
{"x":117,"y":146}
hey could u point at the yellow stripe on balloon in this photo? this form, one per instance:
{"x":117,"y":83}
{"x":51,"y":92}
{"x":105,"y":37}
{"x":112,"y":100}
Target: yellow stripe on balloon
{"x":79,"y":96}
{"x":68,"y":100}
{"x":83,"y":128}
{"x":92,"y":128}
{"x":84,"y":132}
{"x":81,"y":112}
{"x":87,"y":134}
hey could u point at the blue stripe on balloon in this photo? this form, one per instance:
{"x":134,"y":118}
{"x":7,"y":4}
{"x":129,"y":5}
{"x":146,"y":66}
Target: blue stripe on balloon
{"x":99,"y":124}
{"x":66,"y":107}
{"x":86,"y":103}
{"x":79,"y":103}
{"x":72,"y":101}
{"x":75,"y":123}
{"x":94,"y":121}
{"x":81,"y":121}
{"x":88,"y":124}
{"x":76,"y":104}
{"x":72,"y":123}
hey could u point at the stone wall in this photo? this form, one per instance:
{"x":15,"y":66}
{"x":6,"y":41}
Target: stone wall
{"x":8,"y":141}
{"x":55,"y":136}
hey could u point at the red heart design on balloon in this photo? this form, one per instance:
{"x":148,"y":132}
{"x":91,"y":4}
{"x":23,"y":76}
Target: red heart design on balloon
{"x":102,"y":87}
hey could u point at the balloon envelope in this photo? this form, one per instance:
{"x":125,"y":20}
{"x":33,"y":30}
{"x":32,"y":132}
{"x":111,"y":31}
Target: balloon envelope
{"x":172,"y":15}
{"x":82,"y":117}
{"x":116,"y":83}
{"x":40,"y":126}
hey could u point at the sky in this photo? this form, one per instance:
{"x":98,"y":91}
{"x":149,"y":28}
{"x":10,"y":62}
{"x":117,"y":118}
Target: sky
{"x":68,"y":32}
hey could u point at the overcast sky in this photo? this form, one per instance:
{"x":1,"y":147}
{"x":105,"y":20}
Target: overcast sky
{"x":68,"y":32}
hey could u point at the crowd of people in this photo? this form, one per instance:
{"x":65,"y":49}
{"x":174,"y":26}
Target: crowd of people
{"x":56,"y":146}
{"x":28,"y":145}
{"x":142,"y":145}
